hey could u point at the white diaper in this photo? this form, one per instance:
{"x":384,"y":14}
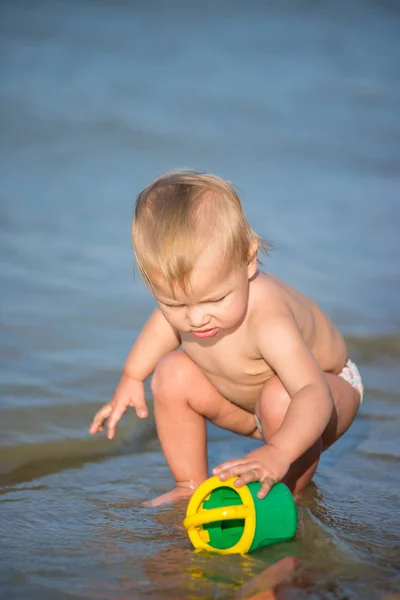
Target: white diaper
{"x":351,"y":374}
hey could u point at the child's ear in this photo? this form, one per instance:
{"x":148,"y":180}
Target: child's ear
{"x":252,"y":263}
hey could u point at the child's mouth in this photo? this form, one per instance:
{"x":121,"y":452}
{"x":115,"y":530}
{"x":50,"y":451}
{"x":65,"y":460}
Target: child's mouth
{"x":206,"y":333}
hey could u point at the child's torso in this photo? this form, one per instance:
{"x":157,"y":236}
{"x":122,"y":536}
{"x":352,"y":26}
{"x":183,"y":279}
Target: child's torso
{"x":232,"y":361}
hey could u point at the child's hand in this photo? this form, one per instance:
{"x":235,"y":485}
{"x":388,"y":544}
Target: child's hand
{"x":267,"y":465}
{"x":129,"y":392}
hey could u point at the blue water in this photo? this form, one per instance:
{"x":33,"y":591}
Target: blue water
{"x":297,"y":103}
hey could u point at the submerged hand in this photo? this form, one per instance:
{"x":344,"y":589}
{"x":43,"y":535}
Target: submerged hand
{"x":129,"y":392}
{"x":267,"y":465}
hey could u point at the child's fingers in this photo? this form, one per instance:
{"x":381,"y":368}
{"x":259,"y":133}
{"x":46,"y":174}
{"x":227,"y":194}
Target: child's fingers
{"x":247,"y":472}
{"x":114,"y":418}
{"x":141,"y":409}
{"x":100,"y":417}
{"x":238,"y":468}
{"x":254,"y":473}
{"x":227,"y":465}
{"x":267,"y":484}
{"x":251,"y":473}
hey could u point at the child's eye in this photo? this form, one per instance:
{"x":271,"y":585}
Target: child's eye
{"x":172,"y":305}
{"x":219,"y":299}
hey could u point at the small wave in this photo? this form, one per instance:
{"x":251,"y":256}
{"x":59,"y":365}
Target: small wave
{"x":29,"y":461}
{"x":376,"y":349}
{"x":386,"y":449}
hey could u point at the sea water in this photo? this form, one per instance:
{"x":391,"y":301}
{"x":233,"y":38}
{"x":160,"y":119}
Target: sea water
{"x":297,"y":103}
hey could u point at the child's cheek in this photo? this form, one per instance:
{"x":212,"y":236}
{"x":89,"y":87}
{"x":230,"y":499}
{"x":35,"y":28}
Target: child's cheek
{"x":178,"y":318}
{"x":169,"y":314}
{"x":236,"y":309}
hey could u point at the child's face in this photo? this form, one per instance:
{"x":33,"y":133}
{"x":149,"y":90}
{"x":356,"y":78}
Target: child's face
{"x":215,"y":301}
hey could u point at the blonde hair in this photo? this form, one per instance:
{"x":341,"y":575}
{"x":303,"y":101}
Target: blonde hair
{"x":181,"y":213}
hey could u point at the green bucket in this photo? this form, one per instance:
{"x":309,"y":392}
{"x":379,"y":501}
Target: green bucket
{"x":225,"y":519}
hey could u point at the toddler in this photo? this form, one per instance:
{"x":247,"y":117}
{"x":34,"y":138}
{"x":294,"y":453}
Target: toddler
{"x":228,"y":343}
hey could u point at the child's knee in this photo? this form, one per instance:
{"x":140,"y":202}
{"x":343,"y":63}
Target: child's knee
{"x":171,"y":376}
{"x":272,"y":406}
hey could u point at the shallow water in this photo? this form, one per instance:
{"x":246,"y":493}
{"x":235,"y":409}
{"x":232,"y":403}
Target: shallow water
{"x":298,"y":105}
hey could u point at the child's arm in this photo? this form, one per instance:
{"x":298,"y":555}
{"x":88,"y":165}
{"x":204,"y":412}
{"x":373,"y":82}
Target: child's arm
{"x":311,"y":407}
{"x":156,"y":339}
{"x":282,"y":346}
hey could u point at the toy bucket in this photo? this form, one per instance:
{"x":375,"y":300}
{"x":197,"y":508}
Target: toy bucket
{"x":223,"y":518}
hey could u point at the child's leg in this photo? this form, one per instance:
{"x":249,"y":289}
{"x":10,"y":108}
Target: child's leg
{"x":271,"y":410}
{"x":183,"y":400}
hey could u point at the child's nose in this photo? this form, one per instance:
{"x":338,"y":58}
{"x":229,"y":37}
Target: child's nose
{"x":198,"y":317}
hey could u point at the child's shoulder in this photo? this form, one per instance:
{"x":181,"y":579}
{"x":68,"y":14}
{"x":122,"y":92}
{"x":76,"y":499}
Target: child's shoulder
{"x":271,"y":299}
{"x":268,"y":292}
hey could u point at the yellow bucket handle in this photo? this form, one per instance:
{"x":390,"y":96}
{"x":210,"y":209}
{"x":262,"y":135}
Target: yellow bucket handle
{"x":222,"y":513}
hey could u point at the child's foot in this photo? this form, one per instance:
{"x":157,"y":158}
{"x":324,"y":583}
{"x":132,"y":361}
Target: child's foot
{"x":179,"y":493}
